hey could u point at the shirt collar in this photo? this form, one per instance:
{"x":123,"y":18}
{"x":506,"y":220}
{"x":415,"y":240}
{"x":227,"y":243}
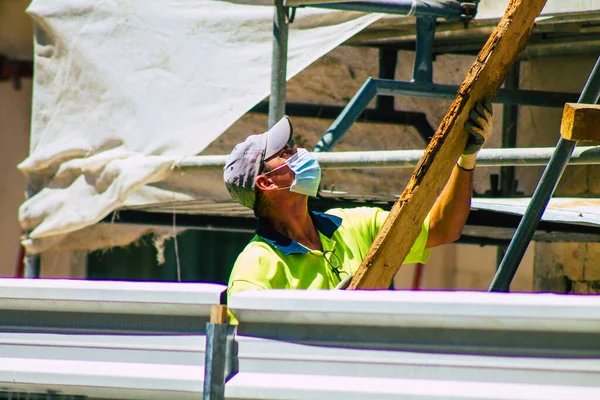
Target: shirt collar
{"x":327,"y":224}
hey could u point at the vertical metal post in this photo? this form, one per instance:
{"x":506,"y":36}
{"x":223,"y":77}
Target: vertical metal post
{"x":217,"y":364}
{"x":541,"y":197}
{"x":510,"y":119}
{"x":32,"y":261}
{"x":32,"y":266}
{"x":214,"y":364}
{"x":423,"y":67}
{"x":278,"y":63}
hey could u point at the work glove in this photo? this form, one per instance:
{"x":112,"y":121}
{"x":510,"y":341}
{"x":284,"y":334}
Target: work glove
{"x":479,"y":127}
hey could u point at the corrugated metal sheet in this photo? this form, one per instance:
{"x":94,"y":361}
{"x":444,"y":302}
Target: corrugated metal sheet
{"x":583,"y":211}
{"x":573,"y":210}
{"x":65,"y":339}
{"x":415,"y":345}
{"x":492,"y":221}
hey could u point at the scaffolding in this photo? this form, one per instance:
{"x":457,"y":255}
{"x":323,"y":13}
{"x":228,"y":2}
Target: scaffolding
{"x":422,"y":85}
{"x":427,"y":15}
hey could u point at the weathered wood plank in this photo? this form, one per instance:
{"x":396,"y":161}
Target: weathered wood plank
{"x":581,"y":122}
{"x":487,"y":74}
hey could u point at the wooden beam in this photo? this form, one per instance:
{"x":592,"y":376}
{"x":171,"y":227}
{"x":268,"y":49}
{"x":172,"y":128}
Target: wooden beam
{"x":219,"y":314}
{"x":581,"y":122}
{"x":487,"y":74}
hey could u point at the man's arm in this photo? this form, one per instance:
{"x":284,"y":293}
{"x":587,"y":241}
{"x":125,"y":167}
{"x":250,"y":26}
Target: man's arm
{"x":451,"y":209}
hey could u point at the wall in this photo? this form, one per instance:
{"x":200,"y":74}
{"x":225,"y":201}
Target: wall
{"x":562,"y":267}
{"x":15,"y":109}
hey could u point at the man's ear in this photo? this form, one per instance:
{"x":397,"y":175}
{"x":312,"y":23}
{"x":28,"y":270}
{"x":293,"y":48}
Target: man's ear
{"x":263,"y":183}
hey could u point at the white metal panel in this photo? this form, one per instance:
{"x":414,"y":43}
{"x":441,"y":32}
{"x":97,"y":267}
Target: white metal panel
{"x":308,"y":387}
{"x":102,"y":379}
{"x":459,"y":310}
{"x":560,"y":209}
{"x":265,"y":356}
{"x":154,"y":298}
{"x":150,"y":349}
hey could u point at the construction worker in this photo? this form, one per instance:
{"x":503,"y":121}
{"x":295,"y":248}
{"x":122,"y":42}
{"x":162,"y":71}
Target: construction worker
{"x":296,"y":248}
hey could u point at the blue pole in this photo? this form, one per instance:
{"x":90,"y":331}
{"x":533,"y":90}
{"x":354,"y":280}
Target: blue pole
{"x":348,"y":116}
{"x":548,"y":182}
{"x":388,"y":87}
{"x":423,"y":67}
{"x":440,"y":91}
{"x":441,"y":9}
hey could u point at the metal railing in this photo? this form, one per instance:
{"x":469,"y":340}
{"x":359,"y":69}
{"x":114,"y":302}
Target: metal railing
{"x":533,"y":156}
{"x":119,"y":340}
{"x":139,"y":340}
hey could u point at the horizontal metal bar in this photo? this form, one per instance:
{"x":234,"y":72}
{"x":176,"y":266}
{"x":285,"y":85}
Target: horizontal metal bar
{"x":440,"y":310}
{"x":286,"y":357}
{"x":532,"y":156}
{"x":148,"y":298}
{"x":106,"y":380}
{"x":193,"y":321}
{"x":441,"y":9}
{"x":275,"y":386}
{"x":214,"y":222}
{"x":174,"y":349}
{"x":504,"y":96}
{"x":486,"y":157}
{"x":487,"y":224}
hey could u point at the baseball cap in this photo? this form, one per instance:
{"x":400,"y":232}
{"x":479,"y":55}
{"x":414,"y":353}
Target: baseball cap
{"x":245,"y":161}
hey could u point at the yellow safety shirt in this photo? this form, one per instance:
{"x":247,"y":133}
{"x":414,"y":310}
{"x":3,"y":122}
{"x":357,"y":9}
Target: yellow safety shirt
{"x":273,"y":261}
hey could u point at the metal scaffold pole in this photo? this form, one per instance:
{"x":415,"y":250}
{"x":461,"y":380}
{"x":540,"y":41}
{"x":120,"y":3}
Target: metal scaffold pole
{"x":546,"y":186}
{"x":510,"y":120}
{"x":32,"y":262}
{"x":449,"y":9}
{"x":279,"y":63}
{"x":531,"y":156}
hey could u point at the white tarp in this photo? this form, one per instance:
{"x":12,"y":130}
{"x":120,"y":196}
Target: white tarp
{"x":124,"y":89}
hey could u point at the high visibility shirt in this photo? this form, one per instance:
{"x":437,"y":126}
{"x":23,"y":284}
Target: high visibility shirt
{"x":273,"y":261}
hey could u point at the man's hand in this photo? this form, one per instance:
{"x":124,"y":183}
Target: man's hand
{"x":479,"y":126}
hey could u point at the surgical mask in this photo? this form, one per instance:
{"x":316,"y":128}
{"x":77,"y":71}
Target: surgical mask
{"x":307,"y":173}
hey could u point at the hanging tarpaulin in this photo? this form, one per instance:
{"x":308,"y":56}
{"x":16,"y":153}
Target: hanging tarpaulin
{"x":125,"y":89}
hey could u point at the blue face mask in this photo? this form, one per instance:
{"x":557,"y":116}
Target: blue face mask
{"x":307,"y":173}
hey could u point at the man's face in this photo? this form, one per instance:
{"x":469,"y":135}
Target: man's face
{"x":276,"y":168}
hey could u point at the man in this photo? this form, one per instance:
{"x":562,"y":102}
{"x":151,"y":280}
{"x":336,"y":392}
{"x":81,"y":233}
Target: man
{"x":296,"y":248}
